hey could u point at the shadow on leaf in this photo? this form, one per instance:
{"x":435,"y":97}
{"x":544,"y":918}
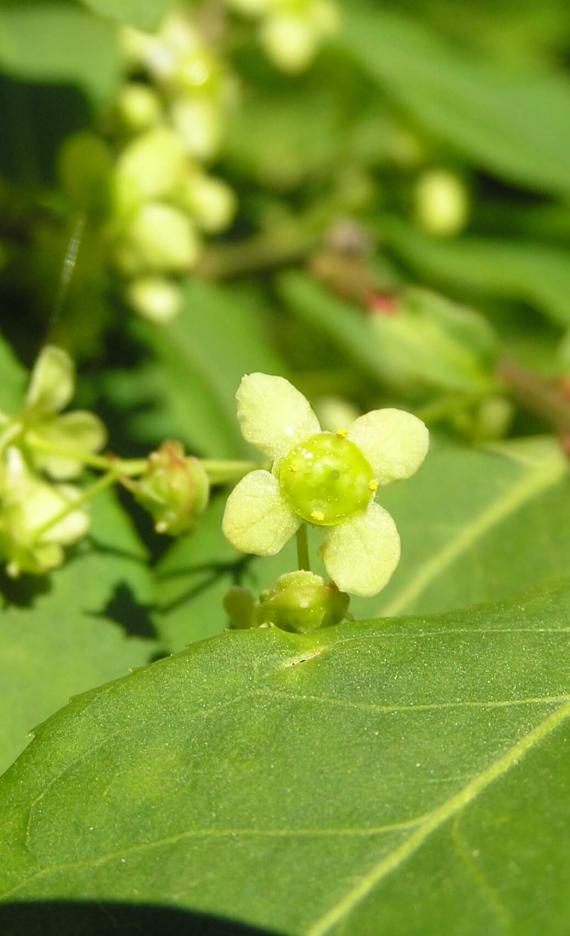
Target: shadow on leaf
{"x":124,"y":609}
{"x":60,"y":918}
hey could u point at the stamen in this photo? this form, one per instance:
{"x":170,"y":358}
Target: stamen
{"x":341,"y":433}
{"x":373,"y":486}
{"x":317,"y":515}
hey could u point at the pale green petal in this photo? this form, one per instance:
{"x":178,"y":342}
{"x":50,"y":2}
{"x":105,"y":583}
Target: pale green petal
{"x":394,"y":442}
{"x":273,"y":415}
{"x":257,"y":518}
{"x":79,"y":432}
{"x":361,"y":554}
{"x":52,"y":382}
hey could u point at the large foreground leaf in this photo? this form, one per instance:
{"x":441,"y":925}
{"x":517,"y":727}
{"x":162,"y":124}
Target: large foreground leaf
{"x":515,"y":125}
{"x":398,"y":777}
{"x":86,"y":624}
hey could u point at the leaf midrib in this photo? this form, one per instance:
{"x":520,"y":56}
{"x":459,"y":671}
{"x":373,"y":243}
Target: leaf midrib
{"x":434,"y":820}
{"x":529,"y":487}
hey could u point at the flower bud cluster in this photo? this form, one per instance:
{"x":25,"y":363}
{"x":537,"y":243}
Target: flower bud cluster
{"x":291,"y":32}
{"x":41,"y":450}
{"x":148,"y":185}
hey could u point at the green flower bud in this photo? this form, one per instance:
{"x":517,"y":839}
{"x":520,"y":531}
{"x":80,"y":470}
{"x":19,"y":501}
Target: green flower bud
{"x":492,"y":419}
{"x":162,"y":239}
{"x":290,"y":41}
{"x":85,"y":169}
{"x":240,"y":607}
{"x":252,"y":8}
{"x":137,"y":106}
{"x":211,"y":202}
{"x":150,"y":167}
{"x":301,"y":602}
{"x":154,"y":298}
{"x":198,"y":122}
{"x":335,"y":413}
{"x":174,"y":489}
{"x":441,"y":203}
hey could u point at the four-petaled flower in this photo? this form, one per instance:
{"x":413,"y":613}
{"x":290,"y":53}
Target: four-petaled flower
{"x":323,"y":478}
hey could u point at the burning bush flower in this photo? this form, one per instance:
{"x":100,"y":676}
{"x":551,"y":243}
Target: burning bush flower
{"x":322,"y":478}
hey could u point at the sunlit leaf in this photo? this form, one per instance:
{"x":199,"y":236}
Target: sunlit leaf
{"x":388,"y":777}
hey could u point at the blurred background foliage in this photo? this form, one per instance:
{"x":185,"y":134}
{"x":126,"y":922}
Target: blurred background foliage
{"x":372,"y":199}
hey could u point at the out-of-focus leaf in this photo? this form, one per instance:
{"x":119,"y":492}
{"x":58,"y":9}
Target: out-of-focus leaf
{"x":512,"y":123}
{"x":437,"y":342}
{"x":88,"y":623}
{"x":13,"y":379}
{"x":144,"y":14}
{"x":343,"y":324}
{"x":534,"y":273}
{"x":390,"y":777}
{"x":58,"y":42}
{"x":285,"y":134}
{"x":187,"y":390}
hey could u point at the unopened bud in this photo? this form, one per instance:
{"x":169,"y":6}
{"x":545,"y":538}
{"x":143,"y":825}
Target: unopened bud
{"x":290,"y":41}
{"x":335,"y":413}
{"x":155,"y":298}
{"x":210,"y":201}
{"x":174,"y":489}
{"x":302,"y":602}
{"x":441,"y":203}
{"x":240,"y":605}
{"x":198,"y":122}
{"x":253,"y":8}
{"x":151,"y":166}
{"x":162,"y":239}
{"x":138,"y":107}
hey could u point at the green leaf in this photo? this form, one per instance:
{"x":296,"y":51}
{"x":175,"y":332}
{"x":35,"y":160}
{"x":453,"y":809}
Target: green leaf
{"x":197,"y":363}
{"x":530,"y":272}
{"x":59,"y":42}
{"x":391,"y":777}
{"x":478,"y":525}
{"x":510,"y":122}
{"x":342,"y":323}
{"x":13,"y":379}
{"x":192,"y":580}
{"x":144,"y":14}
{"x":86,"y":624}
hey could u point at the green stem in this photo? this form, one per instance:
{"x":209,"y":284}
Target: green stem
{"x":224,"y":472}
{"x":219,"y":471}
{"x":303,"y":560}
{"x":120,"y":466}
{"x":88,"y":494}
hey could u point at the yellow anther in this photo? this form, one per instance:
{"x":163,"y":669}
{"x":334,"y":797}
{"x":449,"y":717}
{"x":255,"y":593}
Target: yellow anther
{"x":373,"y":486}
{"x":317,"y":515}
{"x":293,"y":466}
{"x":341,"y":433}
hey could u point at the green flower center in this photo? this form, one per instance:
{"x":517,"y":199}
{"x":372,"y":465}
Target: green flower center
{"x":327,"y":479}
